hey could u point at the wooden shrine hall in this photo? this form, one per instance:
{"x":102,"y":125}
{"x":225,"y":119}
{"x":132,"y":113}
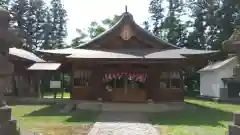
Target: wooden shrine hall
{"x":126,"y":64}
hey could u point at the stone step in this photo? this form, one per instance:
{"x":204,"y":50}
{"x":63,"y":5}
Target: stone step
{"x":236,"y":118}
{"x":5,"y":114}
{"x":9,"y":128}
{"x":234,"y":129}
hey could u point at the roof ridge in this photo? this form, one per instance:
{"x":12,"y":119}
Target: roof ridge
{"x":127,"y":17}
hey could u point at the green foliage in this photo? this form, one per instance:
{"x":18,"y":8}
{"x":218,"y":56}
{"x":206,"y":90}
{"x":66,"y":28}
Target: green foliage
{"x":39,"y":25}
{"x":58,"y":27}
{"x":94,"y":30}
{"x":80,"y":39}
{"x":209,"y":24}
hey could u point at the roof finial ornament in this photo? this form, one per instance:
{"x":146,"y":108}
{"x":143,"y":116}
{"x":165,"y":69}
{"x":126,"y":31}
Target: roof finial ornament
{"x":126,"y":9}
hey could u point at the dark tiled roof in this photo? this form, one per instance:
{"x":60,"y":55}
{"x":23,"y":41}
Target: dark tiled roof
{"x":129,"y":53}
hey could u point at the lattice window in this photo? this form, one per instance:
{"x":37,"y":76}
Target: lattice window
{"x":82,"y":78}
{"x":170,"y":80}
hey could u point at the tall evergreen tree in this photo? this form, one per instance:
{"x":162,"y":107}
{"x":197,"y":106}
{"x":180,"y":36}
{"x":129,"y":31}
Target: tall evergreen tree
{"x":197,"y":38}
{"x":20,"y":9}
{"x":4,"y":3}
{"x":172,"y":25}
{"x":157,"y":17}
{"x":59,"y":21}
{"x":39,"y":9}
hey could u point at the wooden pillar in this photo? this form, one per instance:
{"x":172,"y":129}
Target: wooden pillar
{"x":72,"y":82}
{"x":152,"y":83}
{"x":182,"y":80}
{"x":96,"y":82}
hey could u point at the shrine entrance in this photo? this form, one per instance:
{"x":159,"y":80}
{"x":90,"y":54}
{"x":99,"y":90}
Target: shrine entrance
{"x":126,"y":87}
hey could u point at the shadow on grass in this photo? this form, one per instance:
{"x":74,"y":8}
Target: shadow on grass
{"x":192,"y":115}
{"x":83,"y":116}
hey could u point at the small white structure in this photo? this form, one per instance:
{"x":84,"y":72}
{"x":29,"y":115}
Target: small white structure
{"x":211,"y":76}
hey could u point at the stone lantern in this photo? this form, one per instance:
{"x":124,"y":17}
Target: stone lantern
{"x":232,"y":45}
{"x":8,"y":126}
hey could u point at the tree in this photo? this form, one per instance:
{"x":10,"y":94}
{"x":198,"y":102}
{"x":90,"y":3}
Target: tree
{"x":47,"y":33}
{"x":58,"y":27}
{"x":4,"y":3}
{"x":20,"y":9}
{"x":40,"y":10}
{"x":80,"y":39}
{"x":173,"y":27}
{"x":157,"y":15}
{"x":29,"y":18}
{"x":146,"y":25}
{"x":96,"y":29}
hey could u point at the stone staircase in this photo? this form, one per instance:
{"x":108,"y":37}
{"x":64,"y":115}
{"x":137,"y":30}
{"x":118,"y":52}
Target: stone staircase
{"x":234,"y":128}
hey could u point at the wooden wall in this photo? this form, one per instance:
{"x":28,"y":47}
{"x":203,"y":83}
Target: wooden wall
{"x":152,"y":90}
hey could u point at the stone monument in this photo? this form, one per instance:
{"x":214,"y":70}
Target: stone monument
{"x":232,"y":45}
{"x":8,"y":126}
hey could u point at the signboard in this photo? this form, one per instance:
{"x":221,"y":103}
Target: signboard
{"x":55,"y":84}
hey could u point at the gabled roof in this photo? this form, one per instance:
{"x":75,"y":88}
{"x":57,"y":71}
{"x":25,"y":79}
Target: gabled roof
{"x":25,"y":54}
{"x":128,"y":53}
{"x":217,"y":65}
{"x":127,"y":19}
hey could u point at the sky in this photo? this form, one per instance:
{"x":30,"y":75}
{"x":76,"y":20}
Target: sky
{"x":82,"y":12}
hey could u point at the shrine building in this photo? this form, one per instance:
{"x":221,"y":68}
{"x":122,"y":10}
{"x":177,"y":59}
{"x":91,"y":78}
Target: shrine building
{"x":125,"y":64}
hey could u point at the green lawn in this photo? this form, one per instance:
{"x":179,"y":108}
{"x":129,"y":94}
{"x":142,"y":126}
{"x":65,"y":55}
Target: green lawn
{"x":59,"y":95}
{"x":209,"y":119}
{"x":49,"y":119}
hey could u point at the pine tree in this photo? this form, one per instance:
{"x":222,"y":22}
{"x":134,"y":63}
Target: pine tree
{"x":172,"y":25}
{"x":4,"y":3}
{"x":39,"y":10}
{"x":197,"y":38}
{"x":47,"y":44}
{"x":157,"y":15}
{"x":20,"y":9}
{"x":59,"y":21}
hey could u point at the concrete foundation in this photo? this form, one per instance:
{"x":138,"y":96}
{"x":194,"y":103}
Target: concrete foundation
{"x":130,"y":107}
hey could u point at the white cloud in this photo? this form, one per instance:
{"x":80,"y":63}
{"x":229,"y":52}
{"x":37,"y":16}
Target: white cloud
{"x":82,"y":12}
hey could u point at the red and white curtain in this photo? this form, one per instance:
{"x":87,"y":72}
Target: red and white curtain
{"x":140,"y":77}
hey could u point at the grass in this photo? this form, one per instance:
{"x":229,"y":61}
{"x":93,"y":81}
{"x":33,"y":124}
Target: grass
{"x":49,"y":120}
{"x":209,"y":118}
{"x":59,"y":95}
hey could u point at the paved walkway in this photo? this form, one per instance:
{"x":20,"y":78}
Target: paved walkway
{"x":122,"y":123}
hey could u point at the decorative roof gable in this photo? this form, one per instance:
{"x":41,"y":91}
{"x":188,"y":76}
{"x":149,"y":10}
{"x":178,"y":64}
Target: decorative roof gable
{"x":124,"y":32}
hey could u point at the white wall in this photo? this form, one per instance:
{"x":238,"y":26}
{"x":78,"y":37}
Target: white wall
{"x":208,"y":84}
{"x":226,"y":72}
{"x":210,"y":81}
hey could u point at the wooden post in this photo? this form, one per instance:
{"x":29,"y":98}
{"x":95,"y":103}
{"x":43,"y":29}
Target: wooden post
{"x":152,"y":83}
